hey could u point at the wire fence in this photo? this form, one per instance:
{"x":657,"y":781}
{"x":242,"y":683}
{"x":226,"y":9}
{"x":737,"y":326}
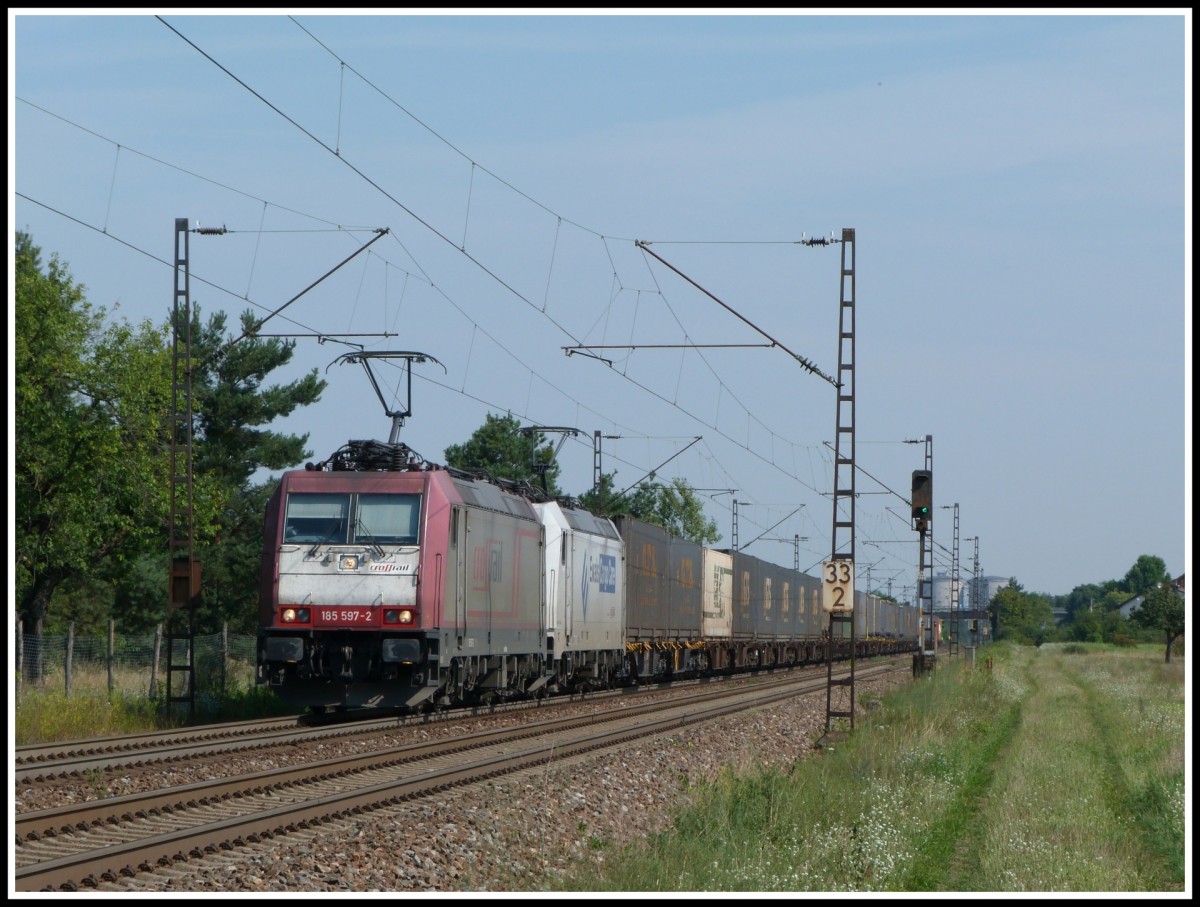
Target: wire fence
{"x":131,"y":665}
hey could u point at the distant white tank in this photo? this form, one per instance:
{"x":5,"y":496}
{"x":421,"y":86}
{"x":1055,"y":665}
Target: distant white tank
{"x":988,"y":587}
{"x":943,"y":587}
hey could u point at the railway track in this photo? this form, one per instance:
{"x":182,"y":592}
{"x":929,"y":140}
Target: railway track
{"x":82,"y":845}
{"x":80,"y":760}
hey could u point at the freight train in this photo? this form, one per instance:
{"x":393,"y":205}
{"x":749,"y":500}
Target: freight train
{"x":391,"y":582}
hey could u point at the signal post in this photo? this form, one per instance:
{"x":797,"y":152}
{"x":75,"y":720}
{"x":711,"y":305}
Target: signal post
{"x":922,"y":518}
{"x":837,"y":588}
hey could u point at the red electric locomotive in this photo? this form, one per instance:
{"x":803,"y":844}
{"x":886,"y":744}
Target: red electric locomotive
{"x":389,"y":582}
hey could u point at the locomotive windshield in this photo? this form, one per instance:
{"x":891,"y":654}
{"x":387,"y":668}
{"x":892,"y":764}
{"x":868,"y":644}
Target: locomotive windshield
{"x":389,"y":519}
{"x":341,"y":519}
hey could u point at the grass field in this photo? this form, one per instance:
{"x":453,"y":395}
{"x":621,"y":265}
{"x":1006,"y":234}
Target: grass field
{"x":1060,"y":769}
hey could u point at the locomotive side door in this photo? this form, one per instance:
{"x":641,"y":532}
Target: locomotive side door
{"x":459,"y":521}
{"x":568,"y":584}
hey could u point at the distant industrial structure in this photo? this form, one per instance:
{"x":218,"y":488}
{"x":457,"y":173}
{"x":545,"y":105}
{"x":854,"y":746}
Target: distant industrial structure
{"x":944,"y":587}
{"x":988,"y":587}
{"x":969,"y":621}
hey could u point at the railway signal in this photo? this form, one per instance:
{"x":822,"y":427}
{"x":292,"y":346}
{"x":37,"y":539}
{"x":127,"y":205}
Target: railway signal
{"x":922,"y":494}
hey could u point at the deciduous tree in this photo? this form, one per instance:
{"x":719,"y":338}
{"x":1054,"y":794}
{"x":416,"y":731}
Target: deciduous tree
{"x":1162,"y":610}
{"x":90,"y":425}
{"x":93,"y":401}
{"x":1020,"y":615}
{"x":1147,"y":572}
{"x":675,"y":508}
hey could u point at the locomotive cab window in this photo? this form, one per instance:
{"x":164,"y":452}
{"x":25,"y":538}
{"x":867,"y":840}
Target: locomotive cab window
{"x":316,"y":518}
{"x":359,"y":519}
{"x":387,"y":519}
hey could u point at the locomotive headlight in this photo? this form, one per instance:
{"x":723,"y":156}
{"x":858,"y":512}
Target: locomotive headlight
{"x":289,"y":615}
{"x":403,"y":616}
{"x":348,"y":562}
{"x":406,"y":616}
{"x":294,"y":616}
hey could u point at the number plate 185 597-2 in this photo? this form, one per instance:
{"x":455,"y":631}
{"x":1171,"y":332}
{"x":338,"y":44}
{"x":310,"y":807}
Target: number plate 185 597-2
{"x":345,"y":617}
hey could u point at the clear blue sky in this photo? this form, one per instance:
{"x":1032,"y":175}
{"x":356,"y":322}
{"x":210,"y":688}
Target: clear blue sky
{"x":1018,"y":186}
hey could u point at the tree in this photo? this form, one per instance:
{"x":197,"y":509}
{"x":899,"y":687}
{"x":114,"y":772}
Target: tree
{"x":1147,"y":572}
{"x":91,"y":424}
{"x":1083,"y":598}
{"x":674,"y":507}
{"x":1112,"y":600}
{"x":229,"y":587}
{"x":604,"y":501}
{"x":93,"y":402}
{"x":1020,"y":615}
{"x":1087,"y":626}
{"x":500,"y":449}
{"x":230,"y":402}
{"x":1162,"y":610}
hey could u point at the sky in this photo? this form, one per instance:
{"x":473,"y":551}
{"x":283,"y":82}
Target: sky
{"x":595,"y":222}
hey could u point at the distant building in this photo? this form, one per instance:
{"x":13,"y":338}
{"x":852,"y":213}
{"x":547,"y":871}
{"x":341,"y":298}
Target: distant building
{"x":1132,"y":604}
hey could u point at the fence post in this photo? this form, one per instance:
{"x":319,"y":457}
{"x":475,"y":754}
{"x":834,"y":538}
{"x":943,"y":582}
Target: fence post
{"x":38,"y":670}
{"x":224,"y":654}
{"x":20,"y":654}
{"x":112,"y":629}
{"x":158,"y":631}
{"x":70,"y":654}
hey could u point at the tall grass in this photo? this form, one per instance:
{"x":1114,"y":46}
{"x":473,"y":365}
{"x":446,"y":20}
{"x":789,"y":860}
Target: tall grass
{"x":1052,"y":772}
{"x":49,"y":716}
{"x":46,"y":714}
